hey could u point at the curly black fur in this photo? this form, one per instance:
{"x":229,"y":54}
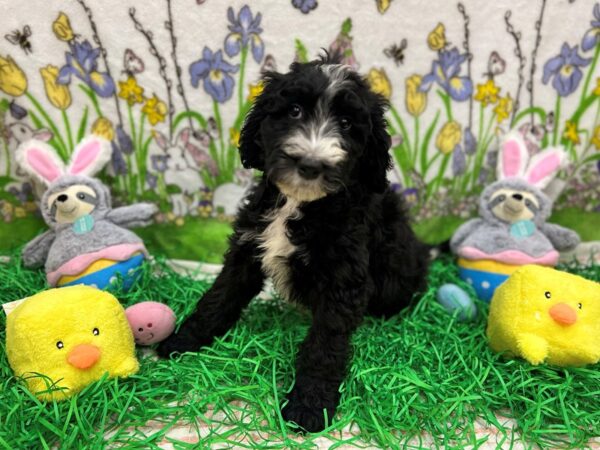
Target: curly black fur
{"x":350,"y":250}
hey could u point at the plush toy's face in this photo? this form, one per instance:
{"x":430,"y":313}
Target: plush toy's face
{"x":71,"y":203}
{"x":513,"y":205}
{"x":562,"y":308}
{"x":71,"y":335}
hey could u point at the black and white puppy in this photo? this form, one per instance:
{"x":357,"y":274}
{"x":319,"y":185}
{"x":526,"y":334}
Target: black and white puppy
{"x":322,"y":224}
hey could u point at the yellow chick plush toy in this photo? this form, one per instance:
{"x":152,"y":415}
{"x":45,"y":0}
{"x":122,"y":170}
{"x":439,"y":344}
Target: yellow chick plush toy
{"x":545,"y":315}
{"x":72,"y":336}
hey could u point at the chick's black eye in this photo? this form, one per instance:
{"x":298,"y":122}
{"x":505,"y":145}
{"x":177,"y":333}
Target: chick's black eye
{"x":59,"y":345}
{"x":547,"y":294}
{"x":579,"y":305}
{"x":96,"y":331}
{"x":295,"y":111}
{"x":345,"y":123}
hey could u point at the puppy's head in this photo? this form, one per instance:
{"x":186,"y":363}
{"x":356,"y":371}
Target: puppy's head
{"x":316,"y":130}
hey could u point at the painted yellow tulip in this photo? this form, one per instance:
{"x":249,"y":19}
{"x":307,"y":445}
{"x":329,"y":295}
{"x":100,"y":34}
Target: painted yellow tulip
{"x":58,"y":94}
{"x":437,"y":38}
{"x":379,"y":82}
{"x":448,"y":137}
{"x":12,"y":79}
{"x":383,"y":5}
{"x":416,"y":101}
{"x":596,"y":138}
{"x":234,"y":137}
{"x":255,"y":90}
{"x":104,"y":128}
{"x":62,"y":28}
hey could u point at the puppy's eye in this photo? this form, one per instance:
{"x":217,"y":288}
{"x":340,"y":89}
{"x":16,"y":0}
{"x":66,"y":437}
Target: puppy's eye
{"x":295,"y":111}
{"x":547,"y":294}
{"x":81,"y":196}
{"x":345,"y":123}
{"x":502,"y":197}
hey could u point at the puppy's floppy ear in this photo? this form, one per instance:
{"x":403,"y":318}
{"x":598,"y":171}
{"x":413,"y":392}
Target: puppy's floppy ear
{"x":251,"y":151}
{"x":376,"y":160}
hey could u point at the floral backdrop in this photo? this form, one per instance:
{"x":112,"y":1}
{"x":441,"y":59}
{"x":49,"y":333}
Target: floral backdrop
{"x":169,"y":82}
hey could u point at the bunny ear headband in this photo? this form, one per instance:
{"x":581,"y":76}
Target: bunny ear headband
{"x":539,"y":170}
{"x":42,"y":162}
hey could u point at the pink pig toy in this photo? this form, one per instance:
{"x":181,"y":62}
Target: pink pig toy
{"x":151,"y":322}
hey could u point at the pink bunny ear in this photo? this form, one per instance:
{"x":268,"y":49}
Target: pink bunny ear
{"x":513,"y":156}
{"x":39,"y":160}
{"x":544,"y":166}
{"x":183,"y":136}
{"x":90,"y":156}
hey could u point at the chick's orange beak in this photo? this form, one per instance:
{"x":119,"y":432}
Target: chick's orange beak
{"x":563,"y":314}
{"x":84,"y":356}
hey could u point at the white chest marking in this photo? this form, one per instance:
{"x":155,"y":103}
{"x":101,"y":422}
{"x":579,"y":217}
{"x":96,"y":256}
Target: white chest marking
{"x":277,"y":248}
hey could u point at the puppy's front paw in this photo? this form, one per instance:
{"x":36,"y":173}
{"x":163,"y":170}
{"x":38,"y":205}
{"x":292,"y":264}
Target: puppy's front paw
{"x":308,"y":401}
{"x":181,"y":342}
{"x":307,"y":418}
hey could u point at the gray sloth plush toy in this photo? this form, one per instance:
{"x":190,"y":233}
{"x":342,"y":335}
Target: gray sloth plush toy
{"x":512,"y":228}
{"x":88,"y":242}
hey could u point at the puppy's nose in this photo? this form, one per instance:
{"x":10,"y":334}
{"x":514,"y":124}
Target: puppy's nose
{"x":517,"y":197}
{"x":309,"y":169}
{"x":62,"y":198}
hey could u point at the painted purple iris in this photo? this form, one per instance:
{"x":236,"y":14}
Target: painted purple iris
{"x":117,"y":161}
{"x":566,"y":70}
{"x":459,"y":161}
{"x":592,"y":36}
{"x":305,"y":6}
{"x":159,"y":162}
{"x":411,"y":196}
{"x":446,"y":72}
{"x":124,"y":140}
{"x":244,"y":29}
{"x":470,"y":142}
{"x":22,"y":193}
{"x":82,"y":62}
{"x":215,"y":73}
{"x":152,"y":180}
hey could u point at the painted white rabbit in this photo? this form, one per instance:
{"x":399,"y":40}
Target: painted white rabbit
{"x":228,"y":197}
{"x":182,"y":173}
{"x":17,"y":133}
{"x":512,"y":228}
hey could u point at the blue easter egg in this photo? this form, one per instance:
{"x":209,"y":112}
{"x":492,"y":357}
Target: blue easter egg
{"x":453,"y":299}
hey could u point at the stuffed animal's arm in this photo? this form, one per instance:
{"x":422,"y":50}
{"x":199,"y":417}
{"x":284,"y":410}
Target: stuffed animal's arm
{"x":36,"y":251}
{"x":463,"y":231}
{"x":562,"y":238}
{"x":138,"y":215}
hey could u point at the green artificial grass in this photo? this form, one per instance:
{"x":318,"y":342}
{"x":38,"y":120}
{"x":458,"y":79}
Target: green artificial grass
{"x":421,"y":372}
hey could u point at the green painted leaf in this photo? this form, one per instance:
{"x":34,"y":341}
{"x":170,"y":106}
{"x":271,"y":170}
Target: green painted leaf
{"x":301,"y":51}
